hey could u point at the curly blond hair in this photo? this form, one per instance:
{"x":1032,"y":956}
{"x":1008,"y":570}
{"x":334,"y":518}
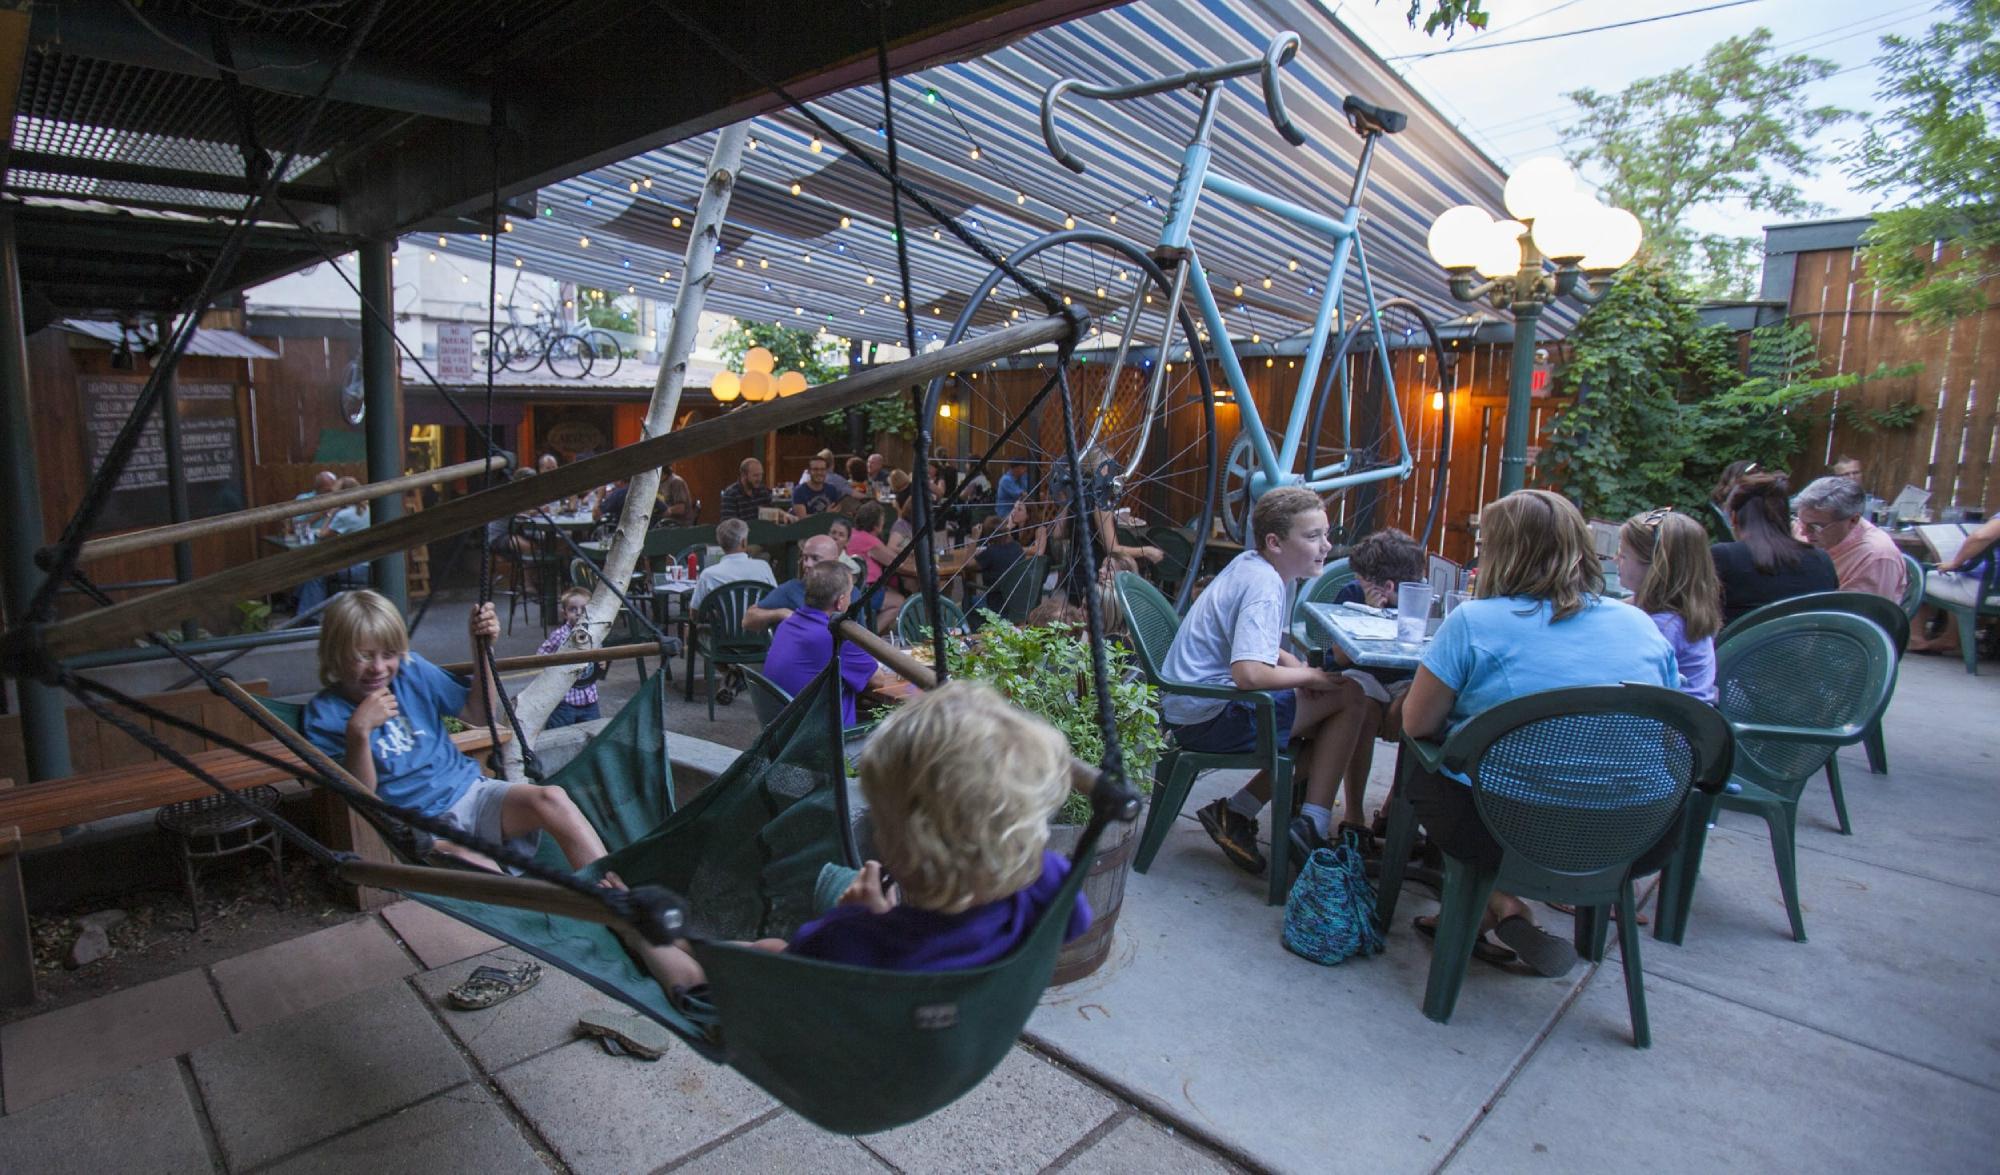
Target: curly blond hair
{"x":960,"y":785}
{"x":354,"y":617}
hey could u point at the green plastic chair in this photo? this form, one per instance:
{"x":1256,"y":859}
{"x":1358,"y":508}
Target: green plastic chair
{"x":1178,"y":548}
{"x":1913,"y":586}
{"x":1019,"y":588}
{"x":913,"y":623}
{"x":1576,"y":785}
{"x":721,"y":639}
{"x":1727,"y":528}
{"x":769,"y":699}
{"x":1886,"y":615}
{"x":1794,"y":690}
{"x":1320,"y":591}
{"x":1151,"y":623}
{"x":1986,"y":602}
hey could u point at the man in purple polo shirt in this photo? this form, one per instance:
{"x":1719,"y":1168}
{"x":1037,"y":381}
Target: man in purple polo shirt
{"x":802,"y":643}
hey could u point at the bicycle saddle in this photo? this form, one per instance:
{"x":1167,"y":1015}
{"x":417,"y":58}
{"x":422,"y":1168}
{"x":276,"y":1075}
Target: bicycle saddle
{"x":1371,"y":119}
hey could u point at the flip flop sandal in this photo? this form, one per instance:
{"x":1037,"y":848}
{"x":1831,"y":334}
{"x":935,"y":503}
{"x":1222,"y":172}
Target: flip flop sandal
{"x":1548,"y":955}
{"x":487,"y":986}
{"x":625,"y":1035}
{"x":1483,"y":948}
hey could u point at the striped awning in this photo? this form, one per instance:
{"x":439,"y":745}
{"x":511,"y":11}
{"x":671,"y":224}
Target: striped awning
{"x":206,"y":341}
{"x":969,"y":135}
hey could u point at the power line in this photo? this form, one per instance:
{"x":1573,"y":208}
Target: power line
{"x":1471,"y":46}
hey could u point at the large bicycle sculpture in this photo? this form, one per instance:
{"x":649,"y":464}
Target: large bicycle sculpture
{"x":1145,"y":399}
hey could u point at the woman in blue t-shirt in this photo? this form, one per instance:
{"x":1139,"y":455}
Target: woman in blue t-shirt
{"x":1538,"y":622}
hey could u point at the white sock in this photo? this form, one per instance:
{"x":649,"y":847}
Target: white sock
{"x":1245,"y":803}
{"x":1322,"y":818}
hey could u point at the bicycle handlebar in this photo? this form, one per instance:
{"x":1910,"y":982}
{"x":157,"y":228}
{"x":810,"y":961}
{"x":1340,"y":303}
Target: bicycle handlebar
{"x":1282,"y":49}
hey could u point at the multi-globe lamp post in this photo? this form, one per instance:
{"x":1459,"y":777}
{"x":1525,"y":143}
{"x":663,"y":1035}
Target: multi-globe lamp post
{"x":1561,"y":242}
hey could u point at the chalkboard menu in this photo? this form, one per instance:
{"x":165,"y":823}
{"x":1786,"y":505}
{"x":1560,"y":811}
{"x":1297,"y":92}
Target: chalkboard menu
{"x":210,"y":452}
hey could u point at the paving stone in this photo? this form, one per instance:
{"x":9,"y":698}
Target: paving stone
{"x":1892,"y":960}
{"x":435,"y":937}
{"x":92,"y":943}
{"x":287,"y":1085}
{"x":616,"y":1115}
{"x":784,"y":1144}
{"x":1724,"y":1088}
{"x":1021,"y":1118}
{"x":286,"y":978}
{"x":537,"y":1020}
{"x":1140,"y":1145}
{"x":80,"y":1045}
{"x":461,"y":1129}
{"x":140,"y":1120}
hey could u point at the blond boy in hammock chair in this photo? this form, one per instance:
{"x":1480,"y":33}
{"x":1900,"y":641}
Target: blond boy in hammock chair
{"x":960,"y":786}
{"x":382,"y":714}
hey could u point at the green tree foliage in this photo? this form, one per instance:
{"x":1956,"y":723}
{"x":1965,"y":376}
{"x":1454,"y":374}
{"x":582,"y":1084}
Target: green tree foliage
{"x":1936,"y":144}
{"x":601,"y":309}
{"x":1447,"y":15}
{"x":1662,"y":404}
{"x":805,"y":351}
{"x":1733,"y":130}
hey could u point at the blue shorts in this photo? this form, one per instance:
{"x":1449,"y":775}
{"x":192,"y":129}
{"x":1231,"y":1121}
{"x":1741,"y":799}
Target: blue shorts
{"x":1234,"y":730}
{"x":568,"y":715}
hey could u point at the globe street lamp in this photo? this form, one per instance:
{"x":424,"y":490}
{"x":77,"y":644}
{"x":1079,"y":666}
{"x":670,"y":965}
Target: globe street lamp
{"x":1561,"y":242}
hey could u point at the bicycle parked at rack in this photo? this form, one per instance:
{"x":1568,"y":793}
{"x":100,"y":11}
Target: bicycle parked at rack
{"x":1146,"y":417}
{"x":569,"y":354}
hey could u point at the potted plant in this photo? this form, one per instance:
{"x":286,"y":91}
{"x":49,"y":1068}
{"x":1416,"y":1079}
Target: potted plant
{"x":1046,"y":670}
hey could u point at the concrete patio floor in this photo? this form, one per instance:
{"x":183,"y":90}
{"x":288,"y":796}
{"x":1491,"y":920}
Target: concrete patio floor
{"x":1201,"y":1046}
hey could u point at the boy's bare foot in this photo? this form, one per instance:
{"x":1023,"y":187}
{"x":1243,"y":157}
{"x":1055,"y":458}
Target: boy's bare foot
{"x":611,"y":880}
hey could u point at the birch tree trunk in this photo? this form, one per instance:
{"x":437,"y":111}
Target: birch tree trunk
{"x":539,"y":699}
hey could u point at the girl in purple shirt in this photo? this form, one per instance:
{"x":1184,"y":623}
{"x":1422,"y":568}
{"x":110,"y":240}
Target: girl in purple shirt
{"x":1663,"y":559}
{"x":960,"y":786}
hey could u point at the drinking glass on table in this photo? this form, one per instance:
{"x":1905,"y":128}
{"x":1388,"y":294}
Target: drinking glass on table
{"x":1413,"y":612}
{"x":1453,"y":599}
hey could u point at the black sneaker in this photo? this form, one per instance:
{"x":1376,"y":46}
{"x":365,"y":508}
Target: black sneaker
{"x":1235,"y":835}
{"x":1305,"y":838}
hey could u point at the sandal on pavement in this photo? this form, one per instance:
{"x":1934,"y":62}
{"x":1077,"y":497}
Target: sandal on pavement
{"x":625,"y":1035}
{"x":1548,"y":955}
{"x":487,"y":986}
{"x":1484,"y":949}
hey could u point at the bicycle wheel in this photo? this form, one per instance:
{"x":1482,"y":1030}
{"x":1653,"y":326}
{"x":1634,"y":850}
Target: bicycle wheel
{"x":605,"y":357}
{"x":1233,"y":505}
{"x":490,"y":348}
{"x":1361,"y":403}
{"x":568,"y":357}
{"x":1155,"y":460}
{"x":522,"y":347}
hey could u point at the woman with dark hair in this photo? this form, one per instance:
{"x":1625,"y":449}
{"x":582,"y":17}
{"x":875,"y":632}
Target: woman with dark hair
{"x":1766,"y":562}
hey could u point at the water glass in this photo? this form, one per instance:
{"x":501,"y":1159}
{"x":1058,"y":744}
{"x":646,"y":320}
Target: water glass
{"x":1453,"y":599}
{"x":1413,"y":612}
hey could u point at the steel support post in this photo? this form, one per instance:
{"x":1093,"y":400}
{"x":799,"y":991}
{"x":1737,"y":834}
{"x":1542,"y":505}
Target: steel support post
{"x":382,"y":423}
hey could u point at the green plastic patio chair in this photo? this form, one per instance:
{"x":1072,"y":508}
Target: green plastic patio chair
{"x":1794,"y":690}
{"x":913,"y":623}
{"x":721,"y":639}
{"x":1152,"y":625}
{"x":1913,"y":586}
{"x":1019,"y":588}
{"x":1886,"y":615}
{"x":1986,"y":602}
{"x":1320,"y":591}
{"x":1577,"y":785}
{"x":1178,"y":548}
{"x":1726,"y":527}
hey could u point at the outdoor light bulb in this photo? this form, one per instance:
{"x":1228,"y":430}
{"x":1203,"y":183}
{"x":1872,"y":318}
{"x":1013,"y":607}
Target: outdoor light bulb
{"x":759,"y":359}
{"x":1069,"y":222}
{"x":633,"y":187}
{"x":1456,"y":235}
{"x":677,"y":222}
{"x":975,"y":154}
{"x":727,"y":386}
{"x":791,"y":383}
{"x":1536,"y":185}
{"x":1437,"y":401}
{"x":796,"y":188}
{"x":648,"y":181}
{"x":1499,"y":251}
{"x":845,"y":221}
{"x":583,"y":242}
{"x":1267,"y":283}
{"x":758,"y":386}
{"x":1020,"y":197}
{"x":816,"y":145}
{"x":430,"y":256}
{"x":944,"y":411}
{"x":1569,"y":228}
{"x":1292,"y":265}
{"x":1238,"y":291}
{"x":1616,"y":240}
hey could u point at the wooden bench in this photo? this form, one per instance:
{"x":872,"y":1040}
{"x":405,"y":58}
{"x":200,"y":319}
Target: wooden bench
{"x":34,"y":815}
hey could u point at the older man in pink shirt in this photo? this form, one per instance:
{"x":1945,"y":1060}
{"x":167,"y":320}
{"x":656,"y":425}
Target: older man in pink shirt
{"x":1865,"y":559}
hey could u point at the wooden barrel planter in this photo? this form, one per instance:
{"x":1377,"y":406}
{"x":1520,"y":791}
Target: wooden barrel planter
{"x":1105,"y":890}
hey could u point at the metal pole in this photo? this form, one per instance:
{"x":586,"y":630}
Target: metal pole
{"x":1520,"y":384}
{"x":44,"y":732}
{"x":383,"y":422}
{"x":177,"y":491}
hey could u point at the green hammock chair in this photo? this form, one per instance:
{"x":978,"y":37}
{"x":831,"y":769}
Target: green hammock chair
{"x":851,"y":1049}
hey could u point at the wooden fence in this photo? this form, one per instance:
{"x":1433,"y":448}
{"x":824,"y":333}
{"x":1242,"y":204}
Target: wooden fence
{"x":1951,"y":449}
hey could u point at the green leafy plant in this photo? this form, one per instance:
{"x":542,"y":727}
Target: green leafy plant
{"x":253,"y":616}
{"x":600,"y":309}
{"x":794,"y":350}
{"x":1046,"y":670}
